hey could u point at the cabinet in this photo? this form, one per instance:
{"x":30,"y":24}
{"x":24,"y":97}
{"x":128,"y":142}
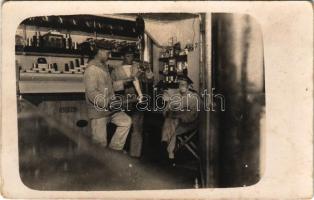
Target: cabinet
{"x":171,"y":65}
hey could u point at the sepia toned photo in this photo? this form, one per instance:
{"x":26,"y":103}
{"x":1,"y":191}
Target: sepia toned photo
{"x":128,"y":102}
{"x":156,"y":100}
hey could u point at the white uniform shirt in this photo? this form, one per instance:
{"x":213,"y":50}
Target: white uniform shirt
{"x":127,"y":70}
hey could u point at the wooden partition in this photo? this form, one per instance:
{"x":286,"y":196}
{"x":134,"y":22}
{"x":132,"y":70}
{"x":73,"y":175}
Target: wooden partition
{"x":238,"y":75}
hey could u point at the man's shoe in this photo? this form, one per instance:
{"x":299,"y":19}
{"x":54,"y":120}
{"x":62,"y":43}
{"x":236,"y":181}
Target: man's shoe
{"x":172,"y":162}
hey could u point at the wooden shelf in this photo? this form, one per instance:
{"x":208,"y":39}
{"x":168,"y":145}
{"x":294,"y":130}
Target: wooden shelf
{"x":33,"y":76}
{"x":177,"y":58}
{"x":68,"y":55}
{"x":30,"y":87}
{"x":50,"y":83}
{"x":32,"y":53}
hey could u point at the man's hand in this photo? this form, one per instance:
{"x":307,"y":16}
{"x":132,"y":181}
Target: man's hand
{"x":140,"y":99}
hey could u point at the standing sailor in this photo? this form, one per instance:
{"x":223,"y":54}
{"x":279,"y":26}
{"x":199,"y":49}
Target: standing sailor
{"x":127,"y":80}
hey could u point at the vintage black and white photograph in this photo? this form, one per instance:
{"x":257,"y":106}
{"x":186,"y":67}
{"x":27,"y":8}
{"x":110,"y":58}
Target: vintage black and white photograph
{"x":135,"y":102}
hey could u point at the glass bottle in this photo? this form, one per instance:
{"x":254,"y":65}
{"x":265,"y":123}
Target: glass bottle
{"x":70,"y":41}
{"x":34,"y":43}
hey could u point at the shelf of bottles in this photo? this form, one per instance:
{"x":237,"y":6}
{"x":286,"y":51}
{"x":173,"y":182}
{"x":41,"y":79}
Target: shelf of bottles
{"x":173,"y":62}
{"x":49,"y":49}
{"x":62,"y":44}
{"x":55,"y":43}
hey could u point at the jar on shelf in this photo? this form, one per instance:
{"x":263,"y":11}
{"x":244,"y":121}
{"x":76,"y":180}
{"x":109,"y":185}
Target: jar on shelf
{"x":185,"y":68}
{"x":185,"y":65}
{"x":166,"y":53}
{"x":179,"y":67}
{"x":163,"y":53}
{"x":171,"y":69}
{"x":171,"y":79}
{"x":166,"y":69}
{"x":176,"y":80}
{"x":171,"y":52}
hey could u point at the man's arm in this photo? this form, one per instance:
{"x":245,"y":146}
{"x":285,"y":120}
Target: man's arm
{"x":135,"y":74}
{"x":117,"y":84}
{"x":90,"y":82}
{"x":147,"y":74}
{"x":191,"y":114}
